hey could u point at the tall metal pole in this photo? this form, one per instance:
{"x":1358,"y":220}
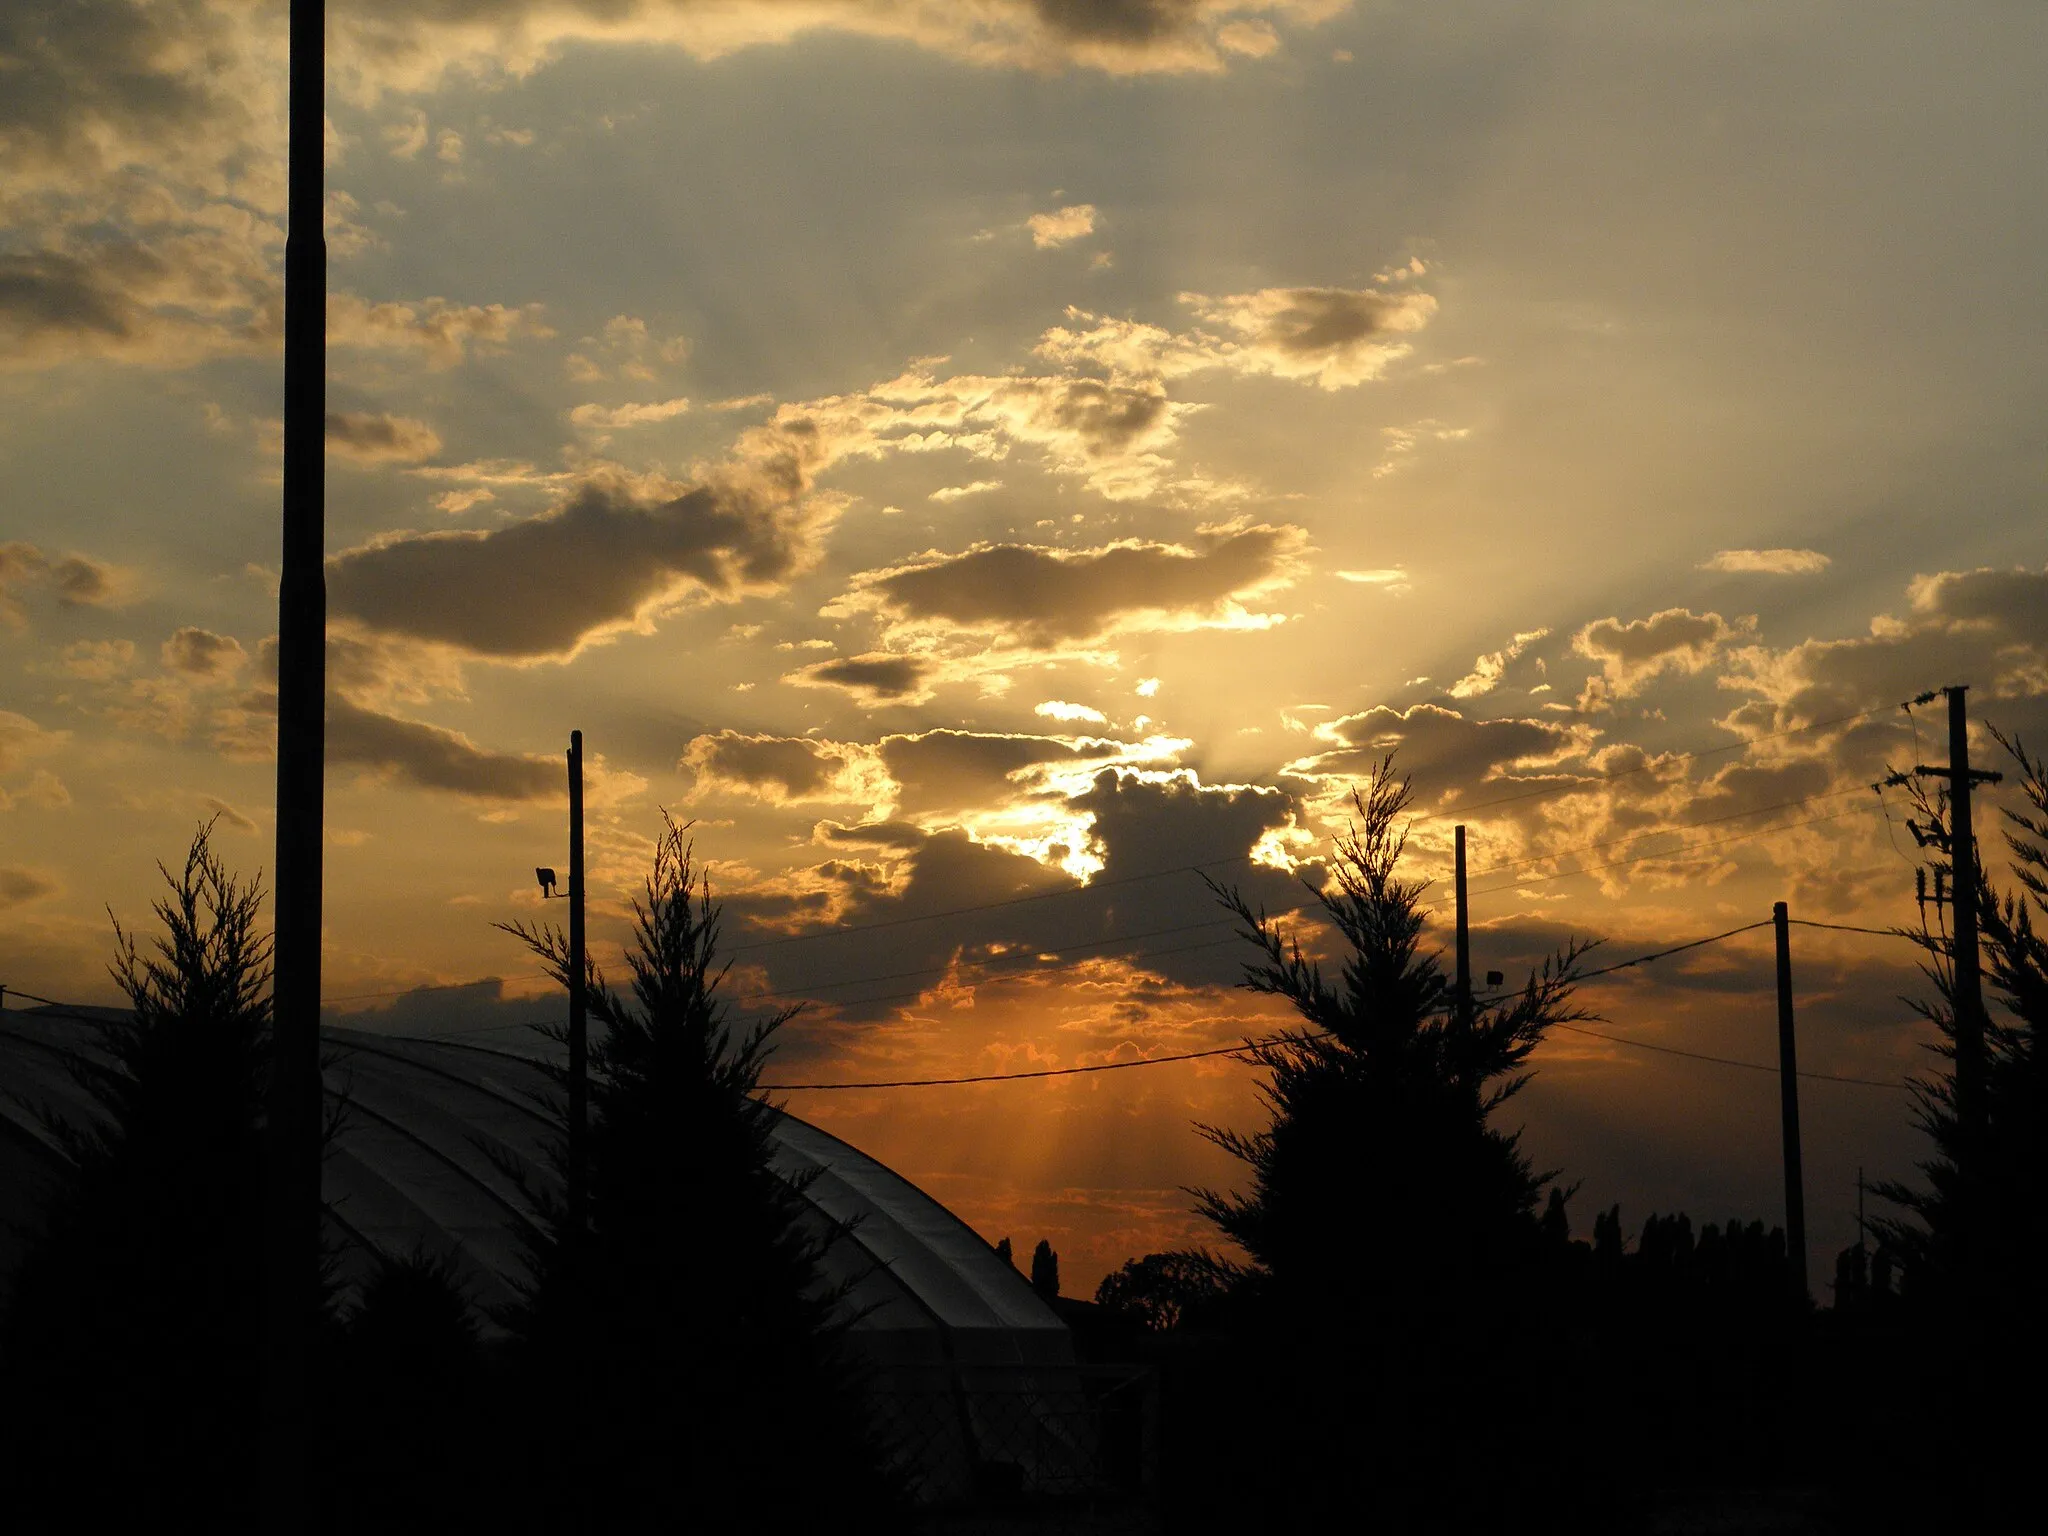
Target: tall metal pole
{"x":579,"y":1054}
{"x":292,"y":1216}
{"x":1969,"y":986}
{"x":1464,"y":992}
{"x":1788,"y":1105}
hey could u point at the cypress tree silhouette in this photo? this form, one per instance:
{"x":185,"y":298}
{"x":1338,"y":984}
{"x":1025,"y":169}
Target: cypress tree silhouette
{"x":684,"y":1340}
{"x":1396,"y":1095}
{"x":1045,"y":1270}
{"x":130,"y":1351}
{"x":1390,"y":1226}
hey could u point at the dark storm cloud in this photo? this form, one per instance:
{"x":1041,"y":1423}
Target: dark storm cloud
{"x":1041,"y":597}
{"x":870,"y":834}
{"x":776,"y":768}
{"x":875,"y":678}
{"x":45,"y":293}
{"x":1440,"y":749}
{"x":79,"y":581}
{"x":407,"y":751}
{"x":201,"y":653}
{"x":1631,"y":654}
{"x":1118,"y":21}
{"x":377,"y":438}
{"x":1988,"y":628}
{"x":1115,"y":36}
{"x":430,"y":757}
{"x":1102,"y":420}
{"x":1149,"y":829}
{"x":1144,"y":823}
{"x":2012,"y":604}
{"x":600,"y":561}
{"x":20,"y":886}
{"x":1319,"y":324}
{"x":946,"y":770}
{"x":85,"y":77}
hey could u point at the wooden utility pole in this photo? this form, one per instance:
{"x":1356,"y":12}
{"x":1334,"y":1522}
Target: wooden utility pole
{"x":579,"y":1050}
{"x":292,"y":1181}
{"x":1969,"y":985}
{"x":1464,"y":981}
{"x":1788,"y":1106}
{"x":1966,"y":973}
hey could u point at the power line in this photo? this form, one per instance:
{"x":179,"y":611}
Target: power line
{"x":1237,"y":1050}
{"x":1881,"y":933}
{"x":1730,"y":1061}
{"x":1231,"y":1050}
{"x":1609,"y":970}
{"x":1009,"y":1077}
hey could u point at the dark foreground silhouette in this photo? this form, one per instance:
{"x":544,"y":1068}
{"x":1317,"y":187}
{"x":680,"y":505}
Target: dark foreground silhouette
{"x":1403,"y":1333}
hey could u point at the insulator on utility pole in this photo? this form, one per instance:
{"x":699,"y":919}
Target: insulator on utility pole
{"x":1788,"y":1107}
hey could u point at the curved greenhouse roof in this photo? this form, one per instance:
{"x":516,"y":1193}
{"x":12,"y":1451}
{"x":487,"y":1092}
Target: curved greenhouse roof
{"x":439,"y":1141}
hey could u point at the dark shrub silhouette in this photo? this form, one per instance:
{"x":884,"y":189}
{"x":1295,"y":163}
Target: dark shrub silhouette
{"x":411,"y":1414}
{"x":684,"y":1340}
{"x":130,"y":1349}
{"x":1162,"y":1291}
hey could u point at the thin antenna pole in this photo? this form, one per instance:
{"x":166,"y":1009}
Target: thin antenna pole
{"x":1464,"y":993}
{"x":292,"y":1175}
{"x":1788,"y":1104}
{"x":579,"y":1053}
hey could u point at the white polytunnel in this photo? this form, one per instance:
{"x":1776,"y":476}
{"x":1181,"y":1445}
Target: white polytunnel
{"x":439,"y":1139}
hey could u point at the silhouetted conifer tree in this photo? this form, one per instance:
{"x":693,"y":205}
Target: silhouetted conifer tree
{"x":1006,"y":1253}
{"x":1045,"y":1270}
{"x":1607,"y":1242}
{"x":1390,"y":1224}
{"x":685,"y":1344}
{"x":129,"y":1355}
{"x":1387,"y":1090}
{"x":1557,"y":1221}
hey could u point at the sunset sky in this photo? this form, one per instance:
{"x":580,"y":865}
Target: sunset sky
{"x":969,"y":450}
